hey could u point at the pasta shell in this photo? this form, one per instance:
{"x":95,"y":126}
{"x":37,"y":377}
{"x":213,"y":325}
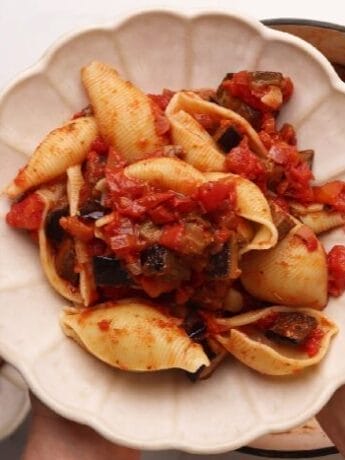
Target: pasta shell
{"x":200,"y":149}
{"x":47,"y":256}
{"x":88,"y":291}
{"x":300,"y":209}
{"x":255,"y":350}
{"x":233,"y":301}
{"x":253,"y":206}
{"x":123,"y":112}
{"x":61,"y":148}
{"x":134,"y":336}
{"x":167,"y":173}
{"x":322,"y":221}
{"x":288,"y":273}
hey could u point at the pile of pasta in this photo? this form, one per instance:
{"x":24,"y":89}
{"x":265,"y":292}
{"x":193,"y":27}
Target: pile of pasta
{"x":182,"y":227}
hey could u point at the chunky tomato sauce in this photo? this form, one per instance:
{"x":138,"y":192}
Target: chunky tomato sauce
{"x":190,"y":229}
{"x":27,"y":214}
{"x":336,"y":270}
{"x":196,"y":230}
{"x":310,"y":344}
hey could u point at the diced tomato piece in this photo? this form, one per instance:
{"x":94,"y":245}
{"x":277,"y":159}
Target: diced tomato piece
{"x":183,"y":204}
{"x":75,"y":227}
{"x":213,"y":194}
{"x":267,"y":321}
{"x":162,"y":100}
{"x":162,"y":124}
{"x":269,"y":123}
{"x":115,"y":161}
{"x":312,"y":344}
{"x":172,"y":236}
{"x":99,"y":146}
{"x":122,"y":236}
{"x":121,"y":185}
{"x":332,"y":193}
{"x":287,"y":88}
{"x":242,"y":86}
{"x":287,"y":134}
{"x":26,"y":214}
{"x":336,"y":270}
{"x":207,"y":121}
{"x":298,"y":175}
{"x":151,"y":200}
{"x":124,"y":245}
{"x":130,"y":208}
{"x":241,"y":160}
{"x":283,"y":154}
{"x":162,"y":215}
{"x":94,"y":167}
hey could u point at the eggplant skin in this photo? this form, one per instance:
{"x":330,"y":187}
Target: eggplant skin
{"x":229,"y":139}
{"x":92,"y":210}
{"x":291,"y":328}
{"x":195,"y":326}
{"x":65,"y":261}
{"x":108,"y":271}
{"x":55,"y":233}
{"x":154,"y":259}
{"x":219,"y":264}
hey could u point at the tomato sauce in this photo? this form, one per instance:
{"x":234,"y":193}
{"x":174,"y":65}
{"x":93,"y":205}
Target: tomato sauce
{"x":27,"y":214}
{"x":336,"y":270}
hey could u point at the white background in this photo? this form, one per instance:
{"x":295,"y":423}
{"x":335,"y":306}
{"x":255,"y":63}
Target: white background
{"x":29,"y":27}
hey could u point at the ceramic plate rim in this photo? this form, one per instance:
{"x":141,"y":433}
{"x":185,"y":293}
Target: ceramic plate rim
{"x":84,"y":417}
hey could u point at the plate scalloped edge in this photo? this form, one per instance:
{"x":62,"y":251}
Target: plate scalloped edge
{"x":84,"y":417}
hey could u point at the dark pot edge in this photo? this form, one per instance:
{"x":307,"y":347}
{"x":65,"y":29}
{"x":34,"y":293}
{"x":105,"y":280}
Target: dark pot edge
{"x":303,"y":22}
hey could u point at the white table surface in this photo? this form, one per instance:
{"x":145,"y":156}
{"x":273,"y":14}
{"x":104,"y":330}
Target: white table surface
{"x":28,"y":27}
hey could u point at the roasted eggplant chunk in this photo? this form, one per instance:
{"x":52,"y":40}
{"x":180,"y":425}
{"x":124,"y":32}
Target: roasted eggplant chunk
{"x":108,"y":271}
{"x":55,"y":233}
{"x":227,"y":138}
{"x":219,"y":263}
{"x":195,"y":326}
{"x":291,"y":328}
{"x":282,"y":220}
{"x":65,"y":261}
{"x":92,"y":210}
{"x":160,"y":261}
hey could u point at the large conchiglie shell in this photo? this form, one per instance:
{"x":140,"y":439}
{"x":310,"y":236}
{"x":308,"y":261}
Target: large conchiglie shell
{"x":200,"y":149}
{"x":47,"y":255}
{"x":256,"y":351}
{"x":134,"y":336}
{"x":252,"y":205}
{"x":88,"y":290}
{"x":123,"y":112}
{"x":289,"y":273}
{"x":61,"y":148}
{"x":167,"y":173}
{"x":322,"y":221}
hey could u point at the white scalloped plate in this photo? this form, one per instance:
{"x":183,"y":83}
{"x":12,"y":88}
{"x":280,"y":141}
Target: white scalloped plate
{"x":160,"y":411}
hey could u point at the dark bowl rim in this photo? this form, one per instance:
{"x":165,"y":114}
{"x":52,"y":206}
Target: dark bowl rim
{"x":297,"y":454}
{"x":304,"y":22}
